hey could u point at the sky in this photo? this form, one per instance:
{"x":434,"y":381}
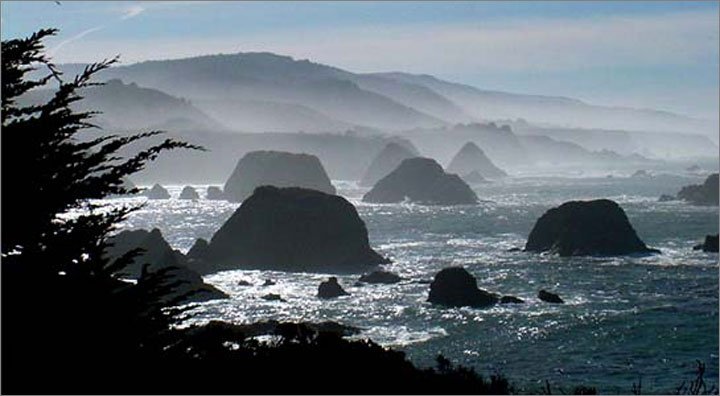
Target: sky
{"x":659,"y":55}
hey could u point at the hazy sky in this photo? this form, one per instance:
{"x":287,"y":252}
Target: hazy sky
{"x":660,"y":55}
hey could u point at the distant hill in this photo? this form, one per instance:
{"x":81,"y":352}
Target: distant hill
{"x":661,"y":145}
{"x":129,"y":106}
{"x":220,"y":83}
{"x":555,"y":110}
{"x":245,"y":90}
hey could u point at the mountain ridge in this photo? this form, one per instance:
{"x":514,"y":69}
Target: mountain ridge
{"x":385,"y":100}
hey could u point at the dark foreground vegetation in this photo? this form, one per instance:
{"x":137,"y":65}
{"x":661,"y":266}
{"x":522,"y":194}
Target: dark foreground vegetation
{"x":70,"y":324}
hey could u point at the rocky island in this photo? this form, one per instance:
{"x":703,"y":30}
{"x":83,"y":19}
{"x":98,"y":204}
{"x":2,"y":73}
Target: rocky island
{"x":702,"y":194}
{"x":276,"y":168}
{"x":385,"y":162}
{"x":586,"y":228}
{"x":157,"y":255}
{"x":157,"y":192}
{"x":189,"y":192}
{"x":422,"y":181}
{"x":289,"y":229}
{"x":471,"y":159}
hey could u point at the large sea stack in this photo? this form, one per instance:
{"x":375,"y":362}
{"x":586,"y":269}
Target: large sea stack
{"x":291,"y":229}
{"x":276,"y":168}
{"x":423,"y":181}
{"x":701,"y":194}
{"x":386,"y":161}
{"x":471,"y":159}
{"x":158,"y":255}
{"x":586,"y":228}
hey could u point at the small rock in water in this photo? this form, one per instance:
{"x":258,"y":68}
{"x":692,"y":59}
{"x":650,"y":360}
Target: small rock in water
{"x":455,"y":287}
{"x":214,"y":193}
{"x":515,"y":249}
{"x":511,"y":300}
{"x":331,"y":289}
{"x":380,"y":277}
{"x":157,"y":192}
{"x":243,"y":282}
{"x":667,"y":198}
{"x":550,"y":297}
{"x":272,"y":297}
{"x":188,"y":192}
{"x":269,"y":282}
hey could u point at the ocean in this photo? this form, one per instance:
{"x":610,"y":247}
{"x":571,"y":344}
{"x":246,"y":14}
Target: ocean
{"x":625,"y":318}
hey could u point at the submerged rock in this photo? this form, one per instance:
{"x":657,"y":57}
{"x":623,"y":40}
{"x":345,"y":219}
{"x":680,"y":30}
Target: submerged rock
{"x":243,"y":282}
{"x":276,"y":168}
{"x":189,"y":192}
{"x":585,"y":228}
{"x":331,"y":289}
{"x":470,"y":159}
{"x":157,"y":192}
{"x":423,"y":181}
{"x":214,"y":193}
{"x":385,"y":162}
{"x":455,"y":287}
{"x":158,"y":255}
{"x":710,"y":244}
{"x":269,"y":282}
{"x":380,"y":277}
{"x":702,"y":194}
{"x":292,"y":229}
{"x":550,"y":297}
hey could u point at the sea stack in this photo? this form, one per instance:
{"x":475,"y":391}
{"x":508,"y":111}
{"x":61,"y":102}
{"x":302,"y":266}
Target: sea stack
{"x":158,"y":255}
{"x":470,"y":159}
{"x":157,"y":192}
{"x":586,"y":228}
{"x":291,"y":229}
{"x":423,"y":181}
{"x":702,"y":194}
{"x":189,"y":192}
{"x":276,"y":168}
{"x":386,"y":161}
{"x":331,"y":289}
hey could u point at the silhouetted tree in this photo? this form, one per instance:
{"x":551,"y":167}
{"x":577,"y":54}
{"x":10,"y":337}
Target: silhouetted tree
{"x":63,"y":305}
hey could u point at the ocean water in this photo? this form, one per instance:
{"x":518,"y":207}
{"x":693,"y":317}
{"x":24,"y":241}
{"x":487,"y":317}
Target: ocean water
{"x":625,"y":318}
